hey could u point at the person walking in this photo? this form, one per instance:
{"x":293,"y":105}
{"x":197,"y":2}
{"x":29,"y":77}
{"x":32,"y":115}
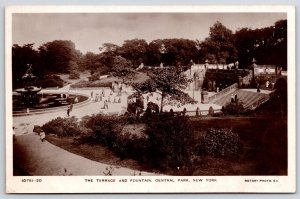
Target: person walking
{"x":232,"y":99}
{"x":71,"y":107}
{"x":68,"y":111}
{"x":42,"y":135}
{"x":197,"y":111}
{"x":171,"y":112}
{"x":184,"y":112}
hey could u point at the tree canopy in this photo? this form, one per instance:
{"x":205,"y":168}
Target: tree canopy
{"x":267,"y":45}
{"x":59,"y":56}
{"x":169,"y":82}
{"x":219,"y":47}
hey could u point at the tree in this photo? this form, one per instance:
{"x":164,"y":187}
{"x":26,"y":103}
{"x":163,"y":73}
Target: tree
{"x":169,"y":82}
{"x":267,"y":45}
{"x":122,"y":68}
{"x":172,"y":52}
{"x":58,"y":55}
{"x":135,"y":50}
{"x":219,"y":47}
{"x":21,"y":56}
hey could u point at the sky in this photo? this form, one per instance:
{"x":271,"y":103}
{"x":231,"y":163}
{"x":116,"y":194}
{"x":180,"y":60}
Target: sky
{"x":90,"y":30}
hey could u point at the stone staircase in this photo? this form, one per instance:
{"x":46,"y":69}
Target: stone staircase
{"x":249,"y":99}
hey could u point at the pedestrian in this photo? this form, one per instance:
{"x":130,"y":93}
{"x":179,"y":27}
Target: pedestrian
{"x":68,"y":111}
{"x":232,"y":99}
{"x":42,"y":135}
{"x":105,"y":104}
{"x":171,"y":112}
{"x":92,"y":94}
{"x":197,"y":111}
{"x":267,"y":83}
{"x":184,"y":112}
{"x":71,"y":107}
{"x":258,"y":87}
{"x":235,"y":98}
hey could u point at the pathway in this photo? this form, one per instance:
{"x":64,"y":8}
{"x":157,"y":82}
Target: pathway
{"x":44,"y":159}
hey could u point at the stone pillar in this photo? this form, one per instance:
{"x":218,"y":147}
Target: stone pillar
{"x":240,"y":82}
{"x":204,"y":97}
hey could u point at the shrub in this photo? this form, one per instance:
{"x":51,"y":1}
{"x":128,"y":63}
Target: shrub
{"x":65,"y":127}
{"x":132,"y":146}
{"x":105,"y":128}
{"x":234,"y":108}
{"x":220,"y":142}
{"x":74,"y":75}
{"x":95,"y":76}
{"x":170,"y":141}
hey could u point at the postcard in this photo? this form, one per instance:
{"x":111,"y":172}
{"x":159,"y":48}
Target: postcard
{"x":150,"y":99}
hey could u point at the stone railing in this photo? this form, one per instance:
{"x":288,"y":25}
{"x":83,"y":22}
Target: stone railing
{"x":223,"y":92}
{"x":54,"y":109}
{"x":260,"y":101}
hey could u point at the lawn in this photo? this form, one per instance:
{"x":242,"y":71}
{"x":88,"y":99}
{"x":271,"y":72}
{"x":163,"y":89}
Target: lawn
{"x":106,"y":82}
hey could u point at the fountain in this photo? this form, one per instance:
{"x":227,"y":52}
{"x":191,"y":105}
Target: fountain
{"x":29,"y":93}
{"x":31,"y":98}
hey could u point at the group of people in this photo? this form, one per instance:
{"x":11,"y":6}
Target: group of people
{"x":99,"y":98}
{"x":234,"y":98}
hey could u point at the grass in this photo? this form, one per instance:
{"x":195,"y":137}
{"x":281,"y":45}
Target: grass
{"x":93,"y":151}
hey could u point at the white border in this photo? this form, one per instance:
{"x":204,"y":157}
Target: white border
{"x":76,"y":184}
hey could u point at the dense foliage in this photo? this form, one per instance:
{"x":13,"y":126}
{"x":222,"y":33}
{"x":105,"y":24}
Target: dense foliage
{"x":171,"y":141}
{"x":234,"y":108}
{"x":65,"y":127}
{"x":221,"y":142}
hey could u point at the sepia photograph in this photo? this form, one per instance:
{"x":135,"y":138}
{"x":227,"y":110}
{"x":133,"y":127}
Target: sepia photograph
{"x":150,"y":99}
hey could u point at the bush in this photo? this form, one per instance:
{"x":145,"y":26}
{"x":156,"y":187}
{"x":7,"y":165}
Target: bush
{"x":105,"y":128}
{"x":65,"y":127}
{"x":234,"y":108}
{"x":170,"y":141}
{"x":74,"y":75}
{"x":132,"y":146}
{"x":221,"y":142}
{"x":95,"y":76}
